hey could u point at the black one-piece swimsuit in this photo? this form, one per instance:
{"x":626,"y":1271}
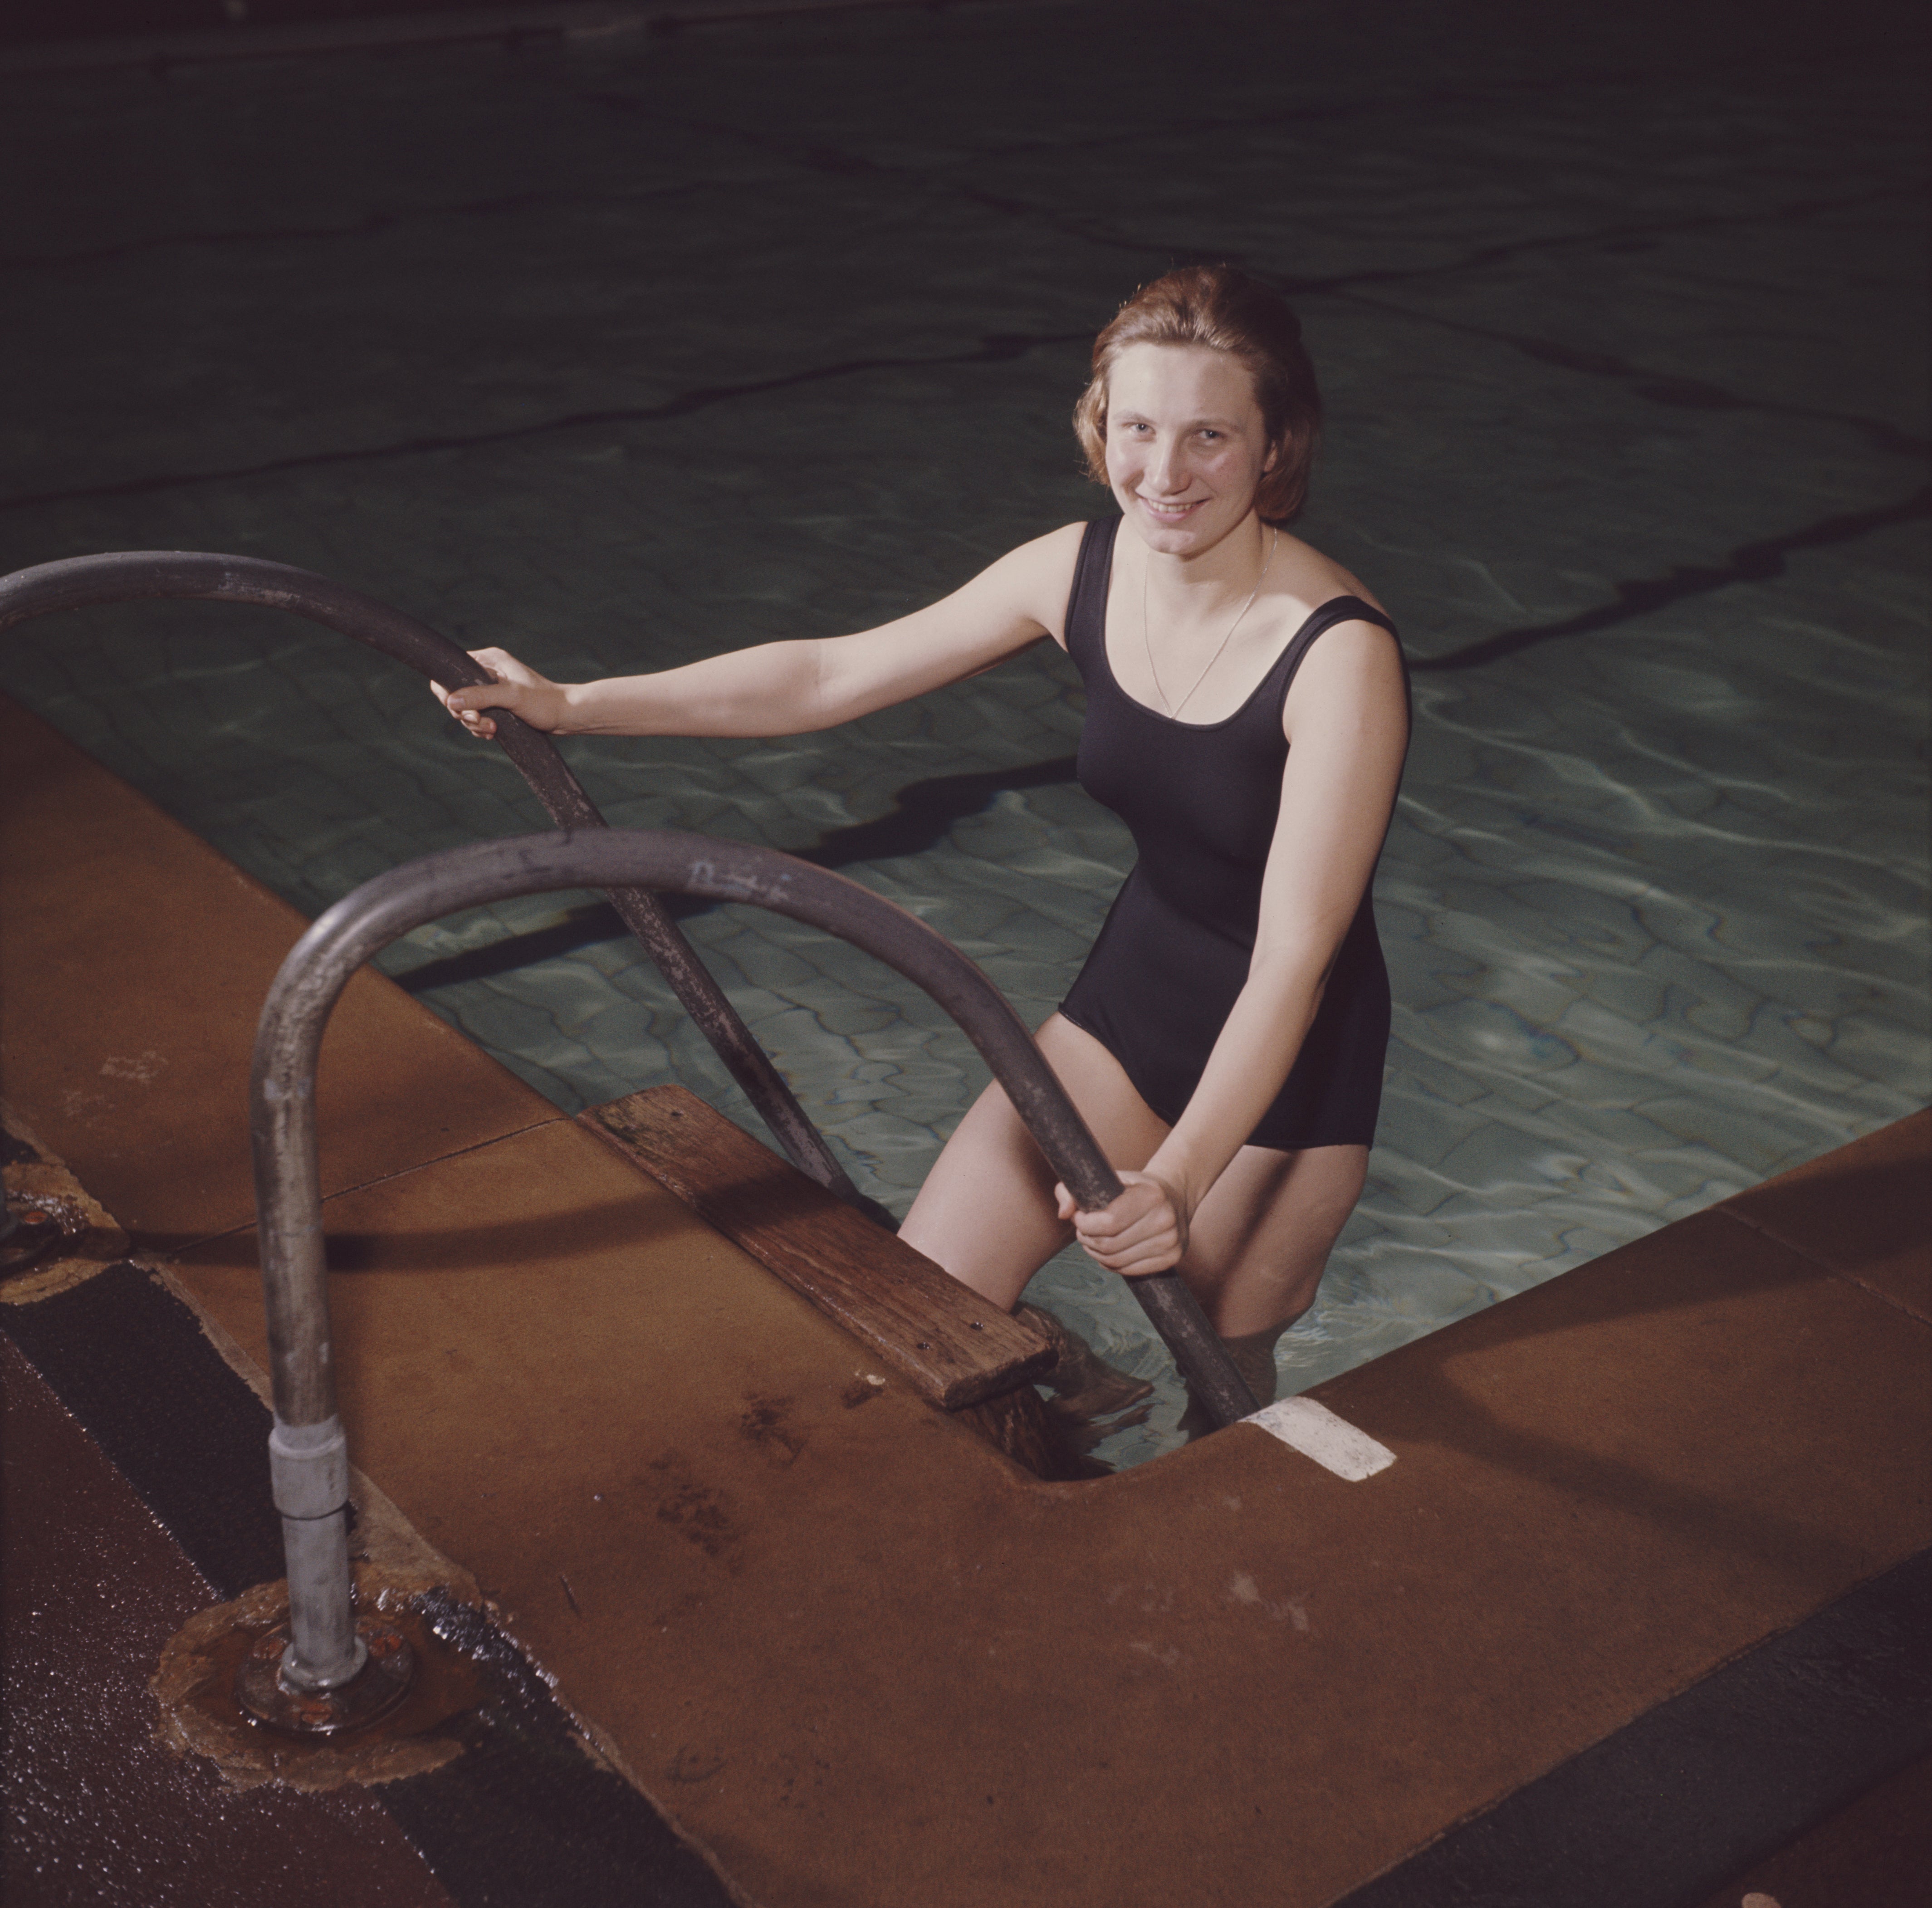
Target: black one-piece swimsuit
{"x":1201,"y":800}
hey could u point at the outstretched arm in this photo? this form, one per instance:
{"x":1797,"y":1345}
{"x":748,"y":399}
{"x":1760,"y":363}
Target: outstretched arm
{"x":791,"y":688}
{"x":1347,"y":724}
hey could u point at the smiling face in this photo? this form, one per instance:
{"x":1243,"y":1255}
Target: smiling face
{"x":1186,"y":444}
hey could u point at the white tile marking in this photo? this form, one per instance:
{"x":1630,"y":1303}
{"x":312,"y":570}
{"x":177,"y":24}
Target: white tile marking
{"x":1315,"y":1432}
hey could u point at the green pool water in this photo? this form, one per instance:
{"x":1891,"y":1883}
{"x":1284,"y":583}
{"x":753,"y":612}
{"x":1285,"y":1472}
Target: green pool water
{"x":622,"y":351}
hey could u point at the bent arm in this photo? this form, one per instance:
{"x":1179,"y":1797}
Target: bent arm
{"x":1348,"y":717}
{"x":791,"y":688}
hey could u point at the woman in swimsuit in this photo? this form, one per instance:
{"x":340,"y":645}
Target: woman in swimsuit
{"x":1226,"y":1040}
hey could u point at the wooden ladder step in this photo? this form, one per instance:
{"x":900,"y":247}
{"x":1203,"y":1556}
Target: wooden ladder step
{"x":952,"y":1346}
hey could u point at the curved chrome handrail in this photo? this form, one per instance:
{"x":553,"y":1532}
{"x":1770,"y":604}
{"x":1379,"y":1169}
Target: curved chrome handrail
{"x":308,"y":1455}
{"x":126,"y":575}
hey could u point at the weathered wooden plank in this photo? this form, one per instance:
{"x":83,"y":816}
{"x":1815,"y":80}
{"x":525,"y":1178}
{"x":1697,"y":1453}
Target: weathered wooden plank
{"x":952,"y":1345}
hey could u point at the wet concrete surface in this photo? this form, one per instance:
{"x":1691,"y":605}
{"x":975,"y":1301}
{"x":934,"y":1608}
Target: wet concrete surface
{"x":99,"y":1814}
{"x":526,"y":1814}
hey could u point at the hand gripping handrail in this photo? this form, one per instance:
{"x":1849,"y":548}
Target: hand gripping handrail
{"x":124,"y":575}
{"x":308,"y":1457}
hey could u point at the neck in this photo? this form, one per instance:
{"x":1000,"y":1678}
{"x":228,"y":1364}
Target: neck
{"x":1197,"y":582}
{"x":1202,"y":603}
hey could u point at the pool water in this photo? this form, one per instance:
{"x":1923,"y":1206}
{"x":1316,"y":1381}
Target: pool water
{"x":620,"y":351}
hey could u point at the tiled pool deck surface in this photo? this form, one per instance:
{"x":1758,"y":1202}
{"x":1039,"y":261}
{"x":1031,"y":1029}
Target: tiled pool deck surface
{"x":618,"y":353}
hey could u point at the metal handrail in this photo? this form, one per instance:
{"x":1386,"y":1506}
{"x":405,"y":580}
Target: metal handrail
{"x":126,"y":575}
{"x":308,"y":1454}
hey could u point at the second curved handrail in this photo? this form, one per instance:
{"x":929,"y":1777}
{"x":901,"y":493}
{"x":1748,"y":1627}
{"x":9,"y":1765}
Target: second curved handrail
{"x":126,"y":575}
{"x":308,"y":1453}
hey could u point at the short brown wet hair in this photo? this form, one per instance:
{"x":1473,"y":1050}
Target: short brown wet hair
{"x":1216,"y":306}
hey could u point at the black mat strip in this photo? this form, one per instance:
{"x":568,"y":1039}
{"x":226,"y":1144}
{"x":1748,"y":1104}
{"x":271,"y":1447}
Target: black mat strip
{"x":1700,"y":1790}
{"x":523,"y":1819}
{"x":132,"y":1364}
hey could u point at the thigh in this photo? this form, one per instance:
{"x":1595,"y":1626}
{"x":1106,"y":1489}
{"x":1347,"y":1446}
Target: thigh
{"x":1261,"y":1237}
{"x":986,"y":1212}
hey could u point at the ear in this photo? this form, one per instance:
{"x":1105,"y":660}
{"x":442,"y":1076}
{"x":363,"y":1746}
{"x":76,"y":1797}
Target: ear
{"x":1274,"y":457}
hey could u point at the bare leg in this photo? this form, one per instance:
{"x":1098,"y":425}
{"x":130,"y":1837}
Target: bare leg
{"x":1259,"y":1243}
{"x":1261,"y":1237}
{"x":985,"y":1212}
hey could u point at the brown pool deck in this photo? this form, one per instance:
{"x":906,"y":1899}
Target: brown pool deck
{"x":1635,"y":1599}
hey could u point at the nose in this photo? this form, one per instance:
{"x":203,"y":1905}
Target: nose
{"x":1167,"y":472}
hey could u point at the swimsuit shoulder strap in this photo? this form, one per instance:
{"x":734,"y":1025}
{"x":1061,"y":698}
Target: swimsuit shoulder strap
{"x":1337,"y":609}
{"x":1087,"y":601}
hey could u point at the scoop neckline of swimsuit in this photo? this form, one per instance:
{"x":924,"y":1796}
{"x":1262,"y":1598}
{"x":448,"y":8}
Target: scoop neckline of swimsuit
{"x":1241,"y":710}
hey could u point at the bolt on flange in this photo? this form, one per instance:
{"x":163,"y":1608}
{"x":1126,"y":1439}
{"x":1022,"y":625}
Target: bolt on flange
{"x":267,"y":1699}
{"x":27,"y":1234}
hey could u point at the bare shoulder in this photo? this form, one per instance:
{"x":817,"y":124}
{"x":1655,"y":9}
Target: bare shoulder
{"x":1353,"y":674}
{"x":1351,"y":682}
{"x":1033,"y":581}
{"x":1317,"y":578}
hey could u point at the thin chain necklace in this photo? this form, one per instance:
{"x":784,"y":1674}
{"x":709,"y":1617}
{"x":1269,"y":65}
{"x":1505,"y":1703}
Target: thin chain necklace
{"x":1173,"y":709}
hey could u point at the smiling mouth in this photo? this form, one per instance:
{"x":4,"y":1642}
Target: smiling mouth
{"x":1175,"y":510}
